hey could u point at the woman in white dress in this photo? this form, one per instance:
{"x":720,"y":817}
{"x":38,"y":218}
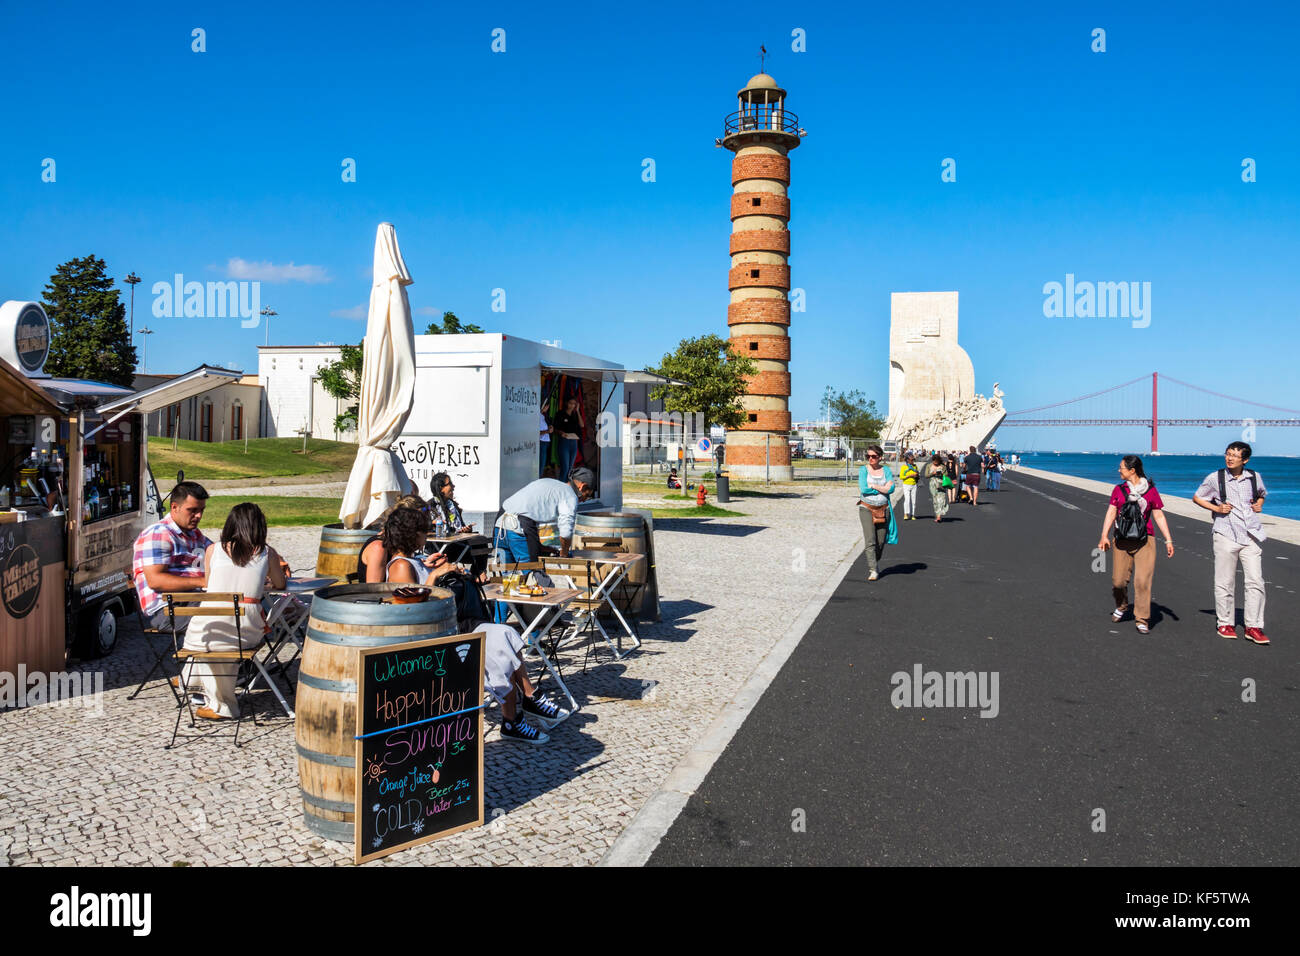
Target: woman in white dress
{"x":243,"y":563}
{"x":503,"y":670}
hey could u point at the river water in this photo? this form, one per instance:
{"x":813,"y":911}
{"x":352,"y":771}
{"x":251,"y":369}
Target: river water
{"x":1178,"y":476}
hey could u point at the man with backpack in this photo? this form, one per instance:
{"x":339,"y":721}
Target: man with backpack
{"x":1235,"y":495}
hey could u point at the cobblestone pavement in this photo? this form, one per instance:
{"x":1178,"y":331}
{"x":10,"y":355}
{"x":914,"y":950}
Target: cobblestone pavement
{"x":98,"y":788}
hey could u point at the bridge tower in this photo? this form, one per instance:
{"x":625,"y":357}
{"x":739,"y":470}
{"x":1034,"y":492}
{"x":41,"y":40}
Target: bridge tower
{"x":761,"y":134}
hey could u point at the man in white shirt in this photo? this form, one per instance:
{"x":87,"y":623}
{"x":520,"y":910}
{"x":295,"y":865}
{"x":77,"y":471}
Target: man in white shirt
{"x":1235,"y":495}
{"x":539,"y":502}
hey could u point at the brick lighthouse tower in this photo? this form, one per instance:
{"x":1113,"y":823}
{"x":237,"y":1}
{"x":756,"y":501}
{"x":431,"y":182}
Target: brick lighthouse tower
{"x":761,"y":134}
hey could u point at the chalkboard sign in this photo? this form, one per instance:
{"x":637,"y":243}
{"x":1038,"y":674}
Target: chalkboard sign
{"x":419,"y":743}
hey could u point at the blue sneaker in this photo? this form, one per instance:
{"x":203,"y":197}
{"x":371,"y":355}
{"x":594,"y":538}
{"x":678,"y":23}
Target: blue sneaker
{"x":545,"y":712}
{"x":521,"y":731}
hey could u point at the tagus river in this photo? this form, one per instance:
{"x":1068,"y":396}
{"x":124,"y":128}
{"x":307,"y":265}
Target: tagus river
{"x":1178,"y":476}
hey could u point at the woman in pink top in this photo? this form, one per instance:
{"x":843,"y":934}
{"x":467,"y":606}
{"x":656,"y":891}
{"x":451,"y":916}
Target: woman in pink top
{"x":1135,"y":556}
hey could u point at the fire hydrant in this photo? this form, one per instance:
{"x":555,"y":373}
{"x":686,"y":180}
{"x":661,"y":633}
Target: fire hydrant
{"x":699,"y":495}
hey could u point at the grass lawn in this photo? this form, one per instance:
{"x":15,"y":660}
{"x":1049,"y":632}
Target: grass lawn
{"x":281,"y":511}
{"x":266,"y":457}
{"x":708,"y":511}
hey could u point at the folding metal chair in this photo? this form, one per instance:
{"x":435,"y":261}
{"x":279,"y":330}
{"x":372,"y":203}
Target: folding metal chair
{"x":228,"y":605}
{"x":162,"y":653}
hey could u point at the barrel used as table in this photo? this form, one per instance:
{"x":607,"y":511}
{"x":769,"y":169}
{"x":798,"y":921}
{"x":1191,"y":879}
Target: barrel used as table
{"x":629,"y":529}
{"x":344,"y":618}
{"x":339,"y":549}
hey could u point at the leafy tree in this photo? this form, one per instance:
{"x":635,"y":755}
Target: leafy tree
{"x":450,"y":326}
{"x":858,"y":417}
{"x":717,"y":375}
{"x":89,"y":338}
{"x":342,"y":379}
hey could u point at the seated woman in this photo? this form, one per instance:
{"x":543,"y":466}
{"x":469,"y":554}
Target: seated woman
{"x":372,"y":561}
{"x":448,"y":519}
{"x":503,"y":671}
{"x":243,"y":562}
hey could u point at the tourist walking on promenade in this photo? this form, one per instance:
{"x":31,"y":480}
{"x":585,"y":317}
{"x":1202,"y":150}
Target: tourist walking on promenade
{"x":909,"y":474}
{"x":935,"y":473}
{"x":875,"y":510}
{"x":1235,"y":495}
{"x":950,"y":469}
{"x":995,"y":467}
{"x":974,"y":466}
{"x":1134,"y":505}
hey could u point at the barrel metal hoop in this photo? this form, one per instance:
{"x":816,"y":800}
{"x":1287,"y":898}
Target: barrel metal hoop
{"x":320,"y":683}
{"x":357,"y":640}
{"x":334,"y":760}
{"x":341,"y":830}
{"x":338,"y":806}
{"x":344,"y":612}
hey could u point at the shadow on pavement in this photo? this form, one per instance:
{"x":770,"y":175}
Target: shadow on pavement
{"x":705,"y":526}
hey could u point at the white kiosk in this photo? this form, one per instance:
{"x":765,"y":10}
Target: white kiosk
{"x":478,"y":398}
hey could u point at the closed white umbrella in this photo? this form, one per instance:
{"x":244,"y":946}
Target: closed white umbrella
{"x":387,"y":389}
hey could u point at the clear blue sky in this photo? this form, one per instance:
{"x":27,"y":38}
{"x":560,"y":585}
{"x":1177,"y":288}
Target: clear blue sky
{"x":522,"y":171}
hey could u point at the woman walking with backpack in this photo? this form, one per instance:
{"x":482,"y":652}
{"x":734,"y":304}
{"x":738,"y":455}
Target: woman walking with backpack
{"x":1134,"y":507}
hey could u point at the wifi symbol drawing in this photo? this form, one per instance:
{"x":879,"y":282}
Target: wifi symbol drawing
{"x":462,"y":651}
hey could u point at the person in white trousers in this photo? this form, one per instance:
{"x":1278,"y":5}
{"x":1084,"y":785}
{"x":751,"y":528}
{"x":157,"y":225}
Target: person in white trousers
{"x":1235,"y":495}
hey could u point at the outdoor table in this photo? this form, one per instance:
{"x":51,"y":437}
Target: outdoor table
{"x":557,"y":598}
{"x":287,"y":617}
{"x":619,"y":564}
{"x":462,"y":545}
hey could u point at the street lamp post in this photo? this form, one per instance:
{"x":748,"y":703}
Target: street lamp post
{"x":132,"y":280}
{"x":145,"y":330}
{"x":268,"y":312}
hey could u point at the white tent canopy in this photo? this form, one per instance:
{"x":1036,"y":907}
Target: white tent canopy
{"x":387,"y":389}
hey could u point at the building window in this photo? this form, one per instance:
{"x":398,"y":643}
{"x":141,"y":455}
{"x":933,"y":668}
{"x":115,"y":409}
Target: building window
{"x":236,"y":421}
{"x":753,"y":273}
{"x":205,"y":421}
{"x":753,"y":416}
{"x":753,"y":346}
{"x":173,"y":419}
{"x":756,"y":201}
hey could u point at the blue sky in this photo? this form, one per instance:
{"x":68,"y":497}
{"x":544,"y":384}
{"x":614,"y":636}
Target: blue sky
{"x":522,"y":170}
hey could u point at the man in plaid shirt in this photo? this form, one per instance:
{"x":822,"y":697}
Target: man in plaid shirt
{"x":168,"y":556}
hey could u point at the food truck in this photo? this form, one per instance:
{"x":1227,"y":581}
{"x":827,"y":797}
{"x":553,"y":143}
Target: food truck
{"x":479,"y":399}
{"x":75,"y":492}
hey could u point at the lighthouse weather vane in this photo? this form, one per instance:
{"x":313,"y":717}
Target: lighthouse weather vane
{"x":762,"y":57}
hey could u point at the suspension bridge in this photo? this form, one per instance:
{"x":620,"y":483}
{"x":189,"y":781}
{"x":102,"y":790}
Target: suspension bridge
{"x":1184,"y":406}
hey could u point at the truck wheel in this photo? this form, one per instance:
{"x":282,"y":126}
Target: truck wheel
{"x":98,"y":631}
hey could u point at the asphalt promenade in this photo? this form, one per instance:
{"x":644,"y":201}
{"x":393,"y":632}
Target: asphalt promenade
{"x":1107,"y":748}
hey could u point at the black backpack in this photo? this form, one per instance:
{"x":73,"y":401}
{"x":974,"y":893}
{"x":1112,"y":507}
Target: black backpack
{"x":471,"y":606}
{"x":1223,"y":484}
{"x":1131,"y":524}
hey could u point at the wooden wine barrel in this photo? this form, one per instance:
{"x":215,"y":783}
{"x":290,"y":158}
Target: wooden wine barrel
{"x":630,"y":530}
{"x":339,"y":549}
{"x":326,"y":722}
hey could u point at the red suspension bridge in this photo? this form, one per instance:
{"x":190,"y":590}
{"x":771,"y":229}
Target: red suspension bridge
{"x":1117,"y":406}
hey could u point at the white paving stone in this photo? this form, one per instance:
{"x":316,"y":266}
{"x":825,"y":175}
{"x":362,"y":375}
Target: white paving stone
{"x":100,"y":789}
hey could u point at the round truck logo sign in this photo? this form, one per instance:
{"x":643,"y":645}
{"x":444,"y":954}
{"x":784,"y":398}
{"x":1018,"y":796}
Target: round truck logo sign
{"x":20,"y":581}
{"x":32,"y":338}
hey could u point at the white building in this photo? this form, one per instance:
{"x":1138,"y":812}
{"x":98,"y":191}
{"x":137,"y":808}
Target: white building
{"x":293,"y":400}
